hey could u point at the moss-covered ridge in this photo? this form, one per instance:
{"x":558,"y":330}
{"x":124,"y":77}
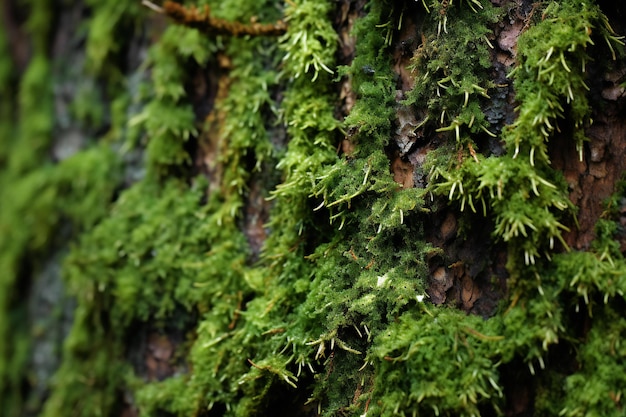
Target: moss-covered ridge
{"x":334,"y":315}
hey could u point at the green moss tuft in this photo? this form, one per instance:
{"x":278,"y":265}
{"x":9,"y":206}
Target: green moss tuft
{"x":525,"y":194}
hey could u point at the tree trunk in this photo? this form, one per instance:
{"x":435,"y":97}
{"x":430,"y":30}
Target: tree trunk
{"x":312,"y":207}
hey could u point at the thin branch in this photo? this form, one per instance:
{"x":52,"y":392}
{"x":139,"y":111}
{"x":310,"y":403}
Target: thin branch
{"x":153,"y":6}
{"x":200,"y":18}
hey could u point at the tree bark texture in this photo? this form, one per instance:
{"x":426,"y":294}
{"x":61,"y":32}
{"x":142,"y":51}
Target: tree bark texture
{"x":312,"y":207}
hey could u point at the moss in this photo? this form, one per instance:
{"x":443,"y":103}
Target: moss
{"x":596,"y":289}
{"x":334,"y":313}
{"x":451,"y":69}
{"x":33,"y":208}
{"x":35,"y":108}
{"x":597,"y":388}
{"x":45,"y":202}
{"x":310,"y":42}
{"x":219,"y":378}
{"x":521,"y":188}
{"x":413,"y":378}
{"x":6,"y":90}
{"x":103,"y":46}
{"x":168,"y":120}
{"x":249,"y":96}
{"x":168,"y":239}
{"x":26,"y":178}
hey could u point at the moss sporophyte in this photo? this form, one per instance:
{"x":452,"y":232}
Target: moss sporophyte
{"x":332,"y":309}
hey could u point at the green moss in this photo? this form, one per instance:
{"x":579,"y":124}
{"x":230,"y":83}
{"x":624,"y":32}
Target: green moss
{"x":249,"y":97}
{"x":77,"y":191}
{"x":103,"y":43}
{"x":451,"y":69}
{"x":595,"y":283}
{"x":310,"y":41}
{"x":6,"y":90}
{"x":219,"y":377}
{"x":334,"y":313}
{"x":598,"y":387}
{"x":521,"y":188}
{"x":34,"y":194}
{"x":168,"y":236}
{"x":412,"y":377}
{"x":44,"y":203}
{"x":168,"y":120}
{"x":34,"y":97}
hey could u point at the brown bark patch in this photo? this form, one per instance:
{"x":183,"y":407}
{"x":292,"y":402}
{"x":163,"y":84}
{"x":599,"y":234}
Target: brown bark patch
{"x":159,"y":355}
{"x":470,"y":271}
{"x":592,"y":180}
{"x":402,"y":172}
{"x":448,"y":227}
{"x":405,"y":45}
{"x":441,"y":281}
{"x":406,"y":124}
{"x":257,"y":213}
{"x":207,"y":157}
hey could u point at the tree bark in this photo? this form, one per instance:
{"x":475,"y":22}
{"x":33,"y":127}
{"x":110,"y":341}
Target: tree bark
{"x":312,"y":207}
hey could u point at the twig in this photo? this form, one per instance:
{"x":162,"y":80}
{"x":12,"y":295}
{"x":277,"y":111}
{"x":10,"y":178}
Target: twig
{"x":201,"y":19}
{"x":153,"y":6}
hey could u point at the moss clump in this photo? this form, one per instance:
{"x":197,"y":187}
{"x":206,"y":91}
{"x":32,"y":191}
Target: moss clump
{"x":37,"y":196}
{"x":103,"y":44}
{"x":521,"y":188}
{"x":168,"y":236}
{"x":45,"y":202}
{"x":76,"y":191}
{"x":412,"y":377}
{"x":525,"y":195}
{"x":451,"y":68}
{"x":243,"y":384}
{"x":168,"y":118}
{"x":310,"y":42}
{"x":591,"y":287}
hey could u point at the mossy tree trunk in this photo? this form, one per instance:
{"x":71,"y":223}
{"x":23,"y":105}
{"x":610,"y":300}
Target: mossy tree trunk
{"x":312,"y":207}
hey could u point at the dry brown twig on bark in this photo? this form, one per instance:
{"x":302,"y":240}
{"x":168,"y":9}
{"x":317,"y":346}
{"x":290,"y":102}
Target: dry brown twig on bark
{"x":200,"y":18}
